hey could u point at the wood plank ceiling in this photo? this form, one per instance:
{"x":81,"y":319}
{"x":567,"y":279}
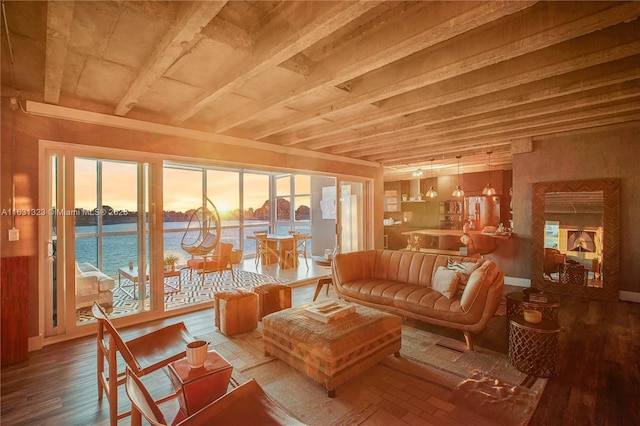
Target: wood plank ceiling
{"x":393,"y":82}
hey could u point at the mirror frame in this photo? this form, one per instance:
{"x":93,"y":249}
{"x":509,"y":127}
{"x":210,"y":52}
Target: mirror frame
{"x":611,"y":237}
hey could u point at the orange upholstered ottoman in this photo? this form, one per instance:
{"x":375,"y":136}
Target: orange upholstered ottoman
{"x":272,"y":297}
{"x":236,"y":311}
{"x":332,"y":353}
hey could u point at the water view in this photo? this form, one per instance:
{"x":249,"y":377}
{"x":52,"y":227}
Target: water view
{"x":120,"y":242}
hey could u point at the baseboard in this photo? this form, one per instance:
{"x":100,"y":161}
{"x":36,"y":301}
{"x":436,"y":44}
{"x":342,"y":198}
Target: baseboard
{"x":519,"y":282}
{"x":36,"y":342}
{"x":629,"y":296}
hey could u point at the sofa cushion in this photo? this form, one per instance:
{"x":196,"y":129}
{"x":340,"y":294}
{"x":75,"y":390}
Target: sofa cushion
{"x":482,"y":276}
{"x":445,"y":282}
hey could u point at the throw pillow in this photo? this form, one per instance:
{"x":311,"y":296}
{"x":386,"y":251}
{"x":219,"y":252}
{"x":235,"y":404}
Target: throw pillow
{"x":464,"y":268}
{"x":445,"y":282}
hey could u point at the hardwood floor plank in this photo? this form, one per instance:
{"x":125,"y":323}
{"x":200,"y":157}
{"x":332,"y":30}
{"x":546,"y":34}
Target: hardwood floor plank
{"x":598,"y":381}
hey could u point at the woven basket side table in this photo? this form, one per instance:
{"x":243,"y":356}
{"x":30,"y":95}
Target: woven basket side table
{"x":533,"y":348}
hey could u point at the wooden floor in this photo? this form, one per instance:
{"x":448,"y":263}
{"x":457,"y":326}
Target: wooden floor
{"x":598,"y":383}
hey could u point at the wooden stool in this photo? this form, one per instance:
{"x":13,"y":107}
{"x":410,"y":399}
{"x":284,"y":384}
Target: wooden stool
{"x":272,"y":297}
{"x":236,"y":312}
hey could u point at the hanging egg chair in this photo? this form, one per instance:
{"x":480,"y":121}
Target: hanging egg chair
{"x":203,"y":231}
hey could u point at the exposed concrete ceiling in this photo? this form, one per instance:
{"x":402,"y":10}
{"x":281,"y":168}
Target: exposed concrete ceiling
{"x":392,"y":82}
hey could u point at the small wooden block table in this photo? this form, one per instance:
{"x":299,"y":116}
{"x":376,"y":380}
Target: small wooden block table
{"x":198,"y":387}
{"x":533,"y":348}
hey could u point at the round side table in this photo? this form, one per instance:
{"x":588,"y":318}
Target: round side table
{"x":516,"y":305}
{"x":533,"y":348}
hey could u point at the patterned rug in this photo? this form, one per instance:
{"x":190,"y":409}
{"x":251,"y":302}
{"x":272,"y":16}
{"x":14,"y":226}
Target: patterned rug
{"x":180,"y":291}
{"x":436,"y":381}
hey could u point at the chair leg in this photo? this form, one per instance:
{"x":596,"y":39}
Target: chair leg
{"x":467,"y":338}
{"x":100,"y":366}
{"x":112,"y":393}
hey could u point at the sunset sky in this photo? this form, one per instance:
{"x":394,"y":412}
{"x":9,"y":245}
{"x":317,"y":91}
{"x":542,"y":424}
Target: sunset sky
{"x":182,"y":188}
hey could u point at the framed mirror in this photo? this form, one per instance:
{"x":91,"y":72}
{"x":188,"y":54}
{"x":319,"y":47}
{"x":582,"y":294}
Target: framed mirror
{"x":576,"y":237}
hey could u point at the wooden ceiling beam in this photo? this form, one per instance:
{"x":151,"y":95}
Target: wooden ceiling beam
{"x":576,"y":122}
{"x":296,"y":27}
{"x":59,"y":18}
{"x":523,"y":127}
{"x":572,"y":66}
{"x":393,"y":39}
{"x":194,"y":18}
{"x":549,"y":24}
{"x":442,"y":120}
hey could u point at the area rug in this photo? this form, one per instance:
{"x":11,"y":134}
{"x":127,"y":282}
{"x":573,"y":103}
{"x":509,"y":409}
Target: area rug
{"x":191,"y":291}
{"x":435,"y":381}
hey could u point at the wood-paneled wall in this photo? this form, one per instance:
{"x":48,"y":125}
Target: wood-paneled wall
{"x":14,"y":297}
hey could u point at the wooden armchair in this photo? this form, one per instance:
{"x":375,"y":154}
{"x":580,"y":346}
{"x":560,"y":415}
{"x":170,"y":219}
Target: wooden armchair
{"x":247,"y":404}
{"x":143,"y":355}
{"x":219,"y":261}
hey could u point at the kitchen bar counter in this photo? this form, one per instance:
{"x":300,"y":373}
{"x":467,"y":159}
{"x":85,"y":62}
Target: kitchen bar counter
{"x":457,"y":233}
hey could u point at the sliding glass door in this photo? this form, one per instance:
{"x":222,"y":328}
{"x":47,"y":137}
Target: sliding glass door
{"x":96,"y":234}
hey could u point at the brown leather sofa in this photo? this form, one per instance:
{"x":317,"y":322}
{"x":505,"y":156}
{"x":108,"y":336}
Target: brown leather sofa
{"x":400,"y":282}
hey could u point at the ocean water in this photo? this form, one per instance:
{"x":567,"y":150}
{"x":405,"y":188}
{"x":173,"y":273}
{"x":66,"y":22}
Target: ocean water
{"x":120,"y":242}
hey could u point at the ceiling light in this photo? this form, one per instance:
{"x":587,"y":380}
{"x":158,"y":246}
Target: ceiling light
{"x":432,"y":193}
{"x":489,"y":190}
{"x":418,"y":173}
{"x":458,"y":192}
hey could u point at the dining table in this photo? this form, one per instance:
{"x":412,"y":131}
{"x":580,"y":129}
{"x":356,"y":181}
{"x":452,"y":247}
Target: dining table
{"x":277,"y":246}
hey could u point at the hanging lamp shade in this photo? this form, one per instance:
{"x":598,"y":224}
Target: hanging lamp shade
{"x":488,"y":189}
{"x":432,"y":193}
{"x":458,"y":192}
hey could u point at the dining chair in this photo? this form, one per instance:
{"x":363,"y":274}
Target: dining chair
{"x":262,"y":248}
{"x":299,"y":248}
{"x":247,"y":404}
{"x":142,"y":355}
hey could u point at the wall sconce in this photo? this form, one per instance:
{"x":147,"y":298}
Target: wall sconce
{"x":431,"y":193}
{"x":489,"y":190}
{"x":458,"y":192}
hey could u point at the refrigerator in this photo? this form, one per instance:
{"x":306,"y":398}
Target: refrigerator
{"x":482,"y":211}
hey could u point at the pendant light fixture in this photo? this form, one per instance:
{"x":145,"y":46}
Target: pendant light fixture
{"x":418,"y":173}
{"x":458,"y":192}
{"x":489,"y":190}
{"x":432,"y":193}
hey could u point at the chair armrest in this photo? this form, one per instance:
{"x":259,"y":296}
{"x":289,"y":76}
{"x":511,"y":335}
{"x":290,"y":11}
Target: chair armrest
{"x":247,"y":404}
{"x":87,"y":285}
{"x":159,"y":347}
